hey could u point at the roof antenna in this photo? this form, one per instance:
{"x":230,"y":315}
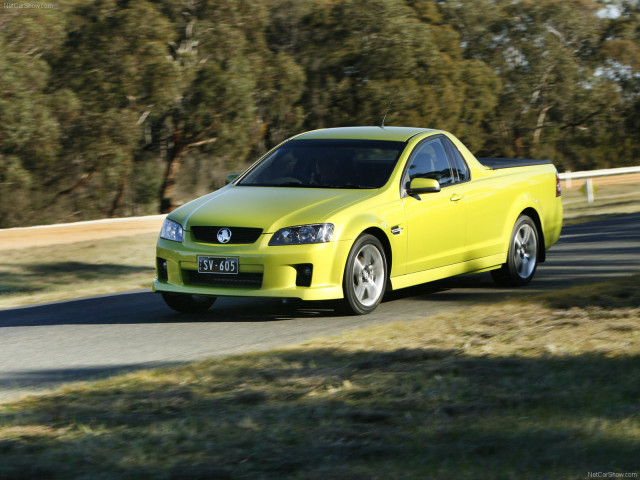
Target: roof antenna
{"x":388,"y":107}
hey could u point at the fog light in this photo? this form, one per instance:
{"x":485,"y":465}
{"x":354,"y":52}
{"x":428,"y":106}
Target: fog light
{"x":161,"y":264}
{"x":304,"y":274}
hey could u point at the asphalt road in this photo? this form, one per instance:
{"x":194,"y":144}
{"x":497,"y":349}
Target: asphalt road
{"x":44,"y":346}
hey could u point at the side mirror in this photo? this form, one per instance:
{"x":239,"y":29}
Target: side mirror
{"x":231,"y":178}
{"x":423,"y":185}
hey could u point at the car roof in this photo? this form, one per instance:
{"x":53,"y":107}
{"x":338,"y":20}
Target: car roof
{"x":398,"y":134}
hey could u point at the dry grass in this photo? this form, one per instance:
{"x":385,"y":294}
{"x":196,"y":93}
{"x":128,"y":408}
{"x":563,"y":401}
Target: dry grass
{"x":544,"y":387}
{"x":74,"y":270}
{"x":610,"y":200}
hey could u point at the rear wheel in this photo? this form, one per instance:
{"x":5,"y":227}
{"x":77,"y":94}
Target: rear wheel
{"x":522,"y":258}
{"x":187,"y":303}
{"x":365,"y":276}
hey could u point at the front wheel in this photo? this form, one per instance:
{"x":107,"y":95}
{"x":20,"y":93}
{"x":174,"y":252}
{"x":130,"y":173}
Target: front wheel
{"x":187,"y":303}
{"x":522,"y":258}
{"x":365,"y":276}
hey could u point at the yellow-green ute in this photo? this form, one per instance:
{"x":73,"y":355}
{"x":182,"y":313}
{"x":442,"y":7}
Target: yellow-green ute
{"x":349,"y":213}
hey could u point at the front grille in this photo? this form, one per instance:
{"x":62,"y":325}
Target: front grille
{"x":239,"y":235}
{"x":243,"y":280}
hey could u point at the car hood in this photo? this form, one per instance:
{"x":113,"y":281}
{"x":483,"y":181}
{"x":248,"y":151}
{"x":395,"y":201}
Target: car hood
{"x":268,"y":208}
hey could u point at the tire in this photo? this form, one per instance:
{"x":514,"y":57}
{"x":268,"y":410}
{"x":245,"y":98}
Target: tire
{"x":365,"y":276}
{"x":522,"y":257}
{"x":186,"y":303}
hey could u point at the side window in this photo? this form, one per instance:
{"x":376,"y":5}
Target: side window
{"x":430,"y":161}
{"x":460,"y":168}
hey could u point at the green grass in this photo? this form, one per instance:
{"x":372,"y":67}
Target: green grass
{"x":126,"y":263}
{"x":543,"y":387}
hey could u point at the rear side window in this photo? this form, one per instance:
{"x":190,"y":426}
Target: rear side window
{"x":459,"y":166}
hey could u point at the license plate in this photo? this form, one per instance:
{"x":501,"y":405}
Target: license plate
{"x":226,"y":265}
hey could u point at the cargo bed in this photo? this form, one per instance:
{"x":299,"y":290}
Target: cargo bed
{"x":497,"y":163}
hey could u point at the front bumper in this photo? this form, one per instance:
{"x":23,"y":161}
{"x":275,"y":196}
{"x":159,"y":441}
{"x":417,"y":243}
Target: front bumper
{"x":307,"y":272}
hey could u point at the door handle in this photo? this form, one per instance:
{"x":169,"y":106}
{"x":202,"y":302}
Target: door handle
{"x":456,"y":197}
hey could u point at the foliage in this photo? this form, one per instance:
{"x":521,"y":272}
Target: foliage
{"x":116,"y":107}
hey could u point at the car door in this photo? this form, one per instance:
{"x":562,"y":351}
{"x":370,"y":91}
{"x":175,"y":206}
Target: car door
{"x":436,"y":222}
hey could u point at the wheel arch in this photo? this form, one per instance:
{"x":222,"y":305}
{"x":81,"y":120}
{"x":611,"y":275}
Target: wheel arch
{"x":386,"y":244}
{"x":533,"y":214}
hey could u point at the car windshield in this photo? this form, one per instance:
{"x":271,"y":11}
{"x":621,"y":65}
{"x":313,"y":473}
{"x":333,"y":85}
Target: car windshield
{"x":326,"y":163}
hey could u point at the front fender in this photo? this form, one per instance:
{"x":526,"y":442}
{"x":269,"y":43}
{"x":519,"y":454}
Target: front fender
{"x":388,"y":224}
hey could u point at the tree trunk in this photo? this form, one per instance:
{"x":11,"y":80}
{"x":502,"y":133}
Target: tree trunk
{"x":168,"y":192}
{"x":117,"y":202}
{"x":174,"y":162}
{"x":518,"y":142}
{"x":539,"y":127}
{"x":85,"y":178}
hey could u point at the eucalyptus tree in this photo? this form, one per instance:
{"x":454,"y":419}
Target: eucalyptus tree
{"x":620,"y":57}
{"x":114,"y":59}
{"x":546,"y":54}
{"x":236,"y":96}
{"x":29,"y":120}
{"x":357,"y":54}
{"x":161,"y":81}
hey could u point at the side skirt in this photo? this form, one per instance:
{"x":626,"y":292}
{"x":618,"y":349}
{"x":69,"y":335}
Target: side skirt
{"x":472,"y":266}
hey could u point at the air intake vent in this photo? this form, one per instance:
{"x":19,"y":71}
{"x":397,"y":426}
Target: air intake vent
{"x":242,"y":280}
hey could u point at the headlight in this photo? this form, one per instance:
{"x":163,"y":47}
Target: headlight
{"x":303,"y":234}
{"x":171,"y":230}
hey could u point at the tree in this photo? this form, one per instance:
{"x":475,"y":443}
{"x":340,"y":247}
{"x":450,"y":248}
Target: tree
{"x":113,"y":107}
{"x":546,"y":55}
{"x":356,"y":55}
{"x":235,"y":97}
{"x":620,"y":62}
{"x":118,"y":68}
{"x":29,"y":129}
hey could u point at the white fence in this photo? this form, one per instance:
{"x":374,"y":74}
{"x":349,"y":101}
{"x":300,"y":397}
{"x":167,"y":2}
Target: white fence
{"x":589,"y":175}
